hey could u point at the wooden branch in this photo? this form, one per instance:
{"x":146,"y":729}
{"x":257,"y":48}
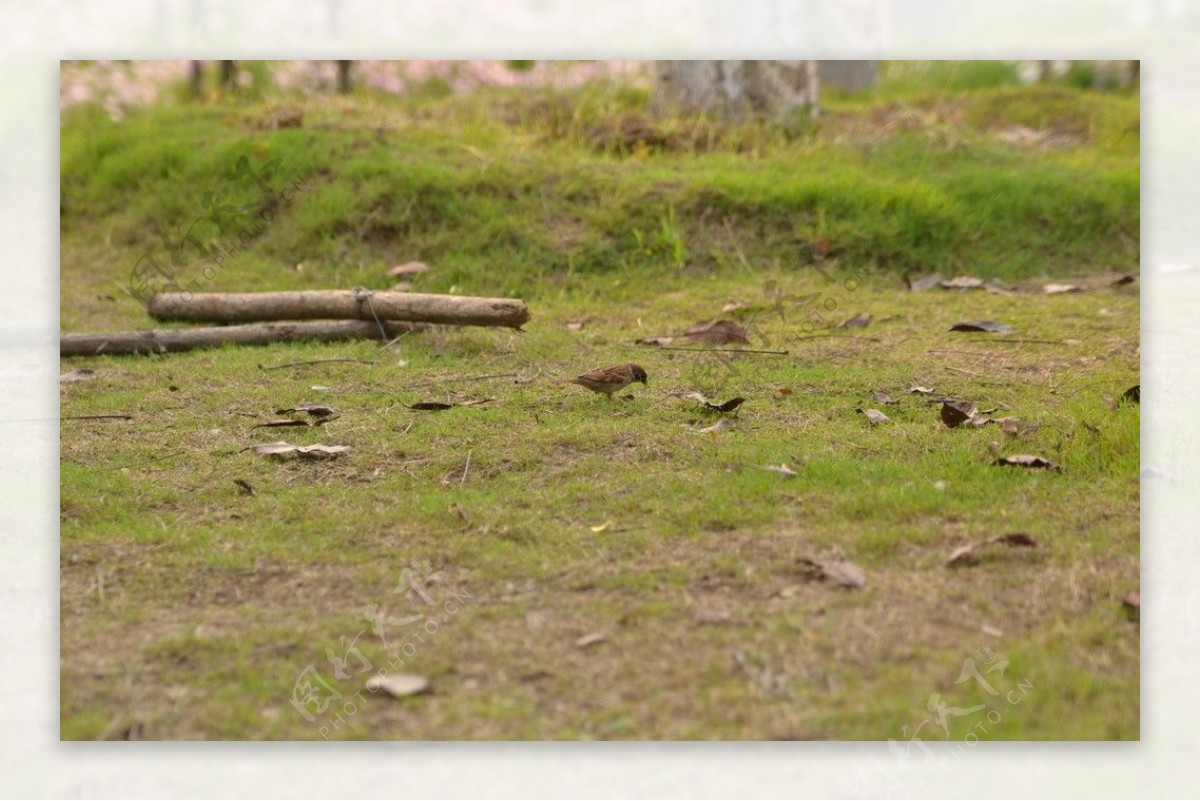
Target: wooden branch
{"x":164,"y":340}
{"x":221,"y":307}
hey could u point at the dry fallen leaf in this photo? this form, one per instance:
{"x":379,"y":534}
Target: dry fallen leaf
{"x":1025,"y":460}
{"x":431,"y":406}
{"x":990,"y":326}
{"x":962,"y":282}
{"x":860,"y":320}
{"x":717,"y":332}
{"x":1020,"y":460}
{"x":273,"y":448}
{"x":605,"y":526}
{"x":411,"y":268}
{"x":315,"y":409}
{"x":920,"y":284}
{"x":727,"y":406}
{"x":654,"y":341}
{"x":954,"y":413}
{"x":689,"y":395}
{"x":280,"y":423}
{"x":879,"y":396}
{"x":784,"y":391}
{"x":733,"y":305}
{"x":1121,"y":280}
{"x":1058,"y":289}
{"x":575,"y":326}
{"x":783,"y":470}
{"x":589,"y":639}
{"x":873,"y":415}
{"x":78,"y":374}
{"x":1133,"y":604}
{"x":245,"y":486}
{"x":399,"y":685}
{"x":1133,"y":394}
{"x":1009,"y":425}
{"x":917,"y":389}
{"x":306,"y":451}
{"x":839,"y":572}
{"x":721,"y":425}
{"x":967,"y":553}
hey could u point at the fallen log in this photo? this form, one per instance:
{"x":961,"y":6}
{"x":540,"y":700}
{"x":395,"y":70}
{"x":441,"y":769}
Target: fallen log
{"x":165,"y":340}
{"x":247,"y":307}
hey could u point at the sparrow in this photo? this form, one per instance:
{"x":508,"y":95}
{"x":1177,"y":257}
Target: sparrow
{"x":610,"y":379}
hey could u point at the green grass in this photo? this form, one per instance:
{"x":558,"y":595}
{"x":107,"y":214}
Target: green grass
{"x":189,"y":608}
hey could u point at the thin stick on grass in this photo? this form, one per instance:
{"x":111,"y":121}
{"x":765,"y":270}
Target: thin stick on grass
{"x":97,"y":417}
{"x":314,"y":361}
{"x":460,"y":379}
{"x":466,"y":469}
{"x":726,"y":350}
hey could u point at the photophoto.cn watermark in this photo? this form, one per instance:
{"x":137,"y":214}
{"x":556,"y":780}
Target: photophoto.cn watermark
{"x":915,"y":766}
{"x":245,"y":223}
{"x":404,"y":626}
{"x":719,"y":367}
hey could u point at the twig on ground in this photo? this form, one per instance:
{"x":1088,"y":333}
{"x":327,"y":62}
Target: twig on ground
{"x":314,"y":361}
{"x":726,"y":350}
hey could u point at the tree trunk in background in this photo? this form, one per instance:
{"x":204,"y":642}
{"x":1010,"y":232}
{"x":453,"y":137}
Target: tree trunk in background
{"x":228,"y":70}
{"x":849,"y":76}
{"x":344,"y":76}
{"x":196,"y":75}
{"x":732,"y":88}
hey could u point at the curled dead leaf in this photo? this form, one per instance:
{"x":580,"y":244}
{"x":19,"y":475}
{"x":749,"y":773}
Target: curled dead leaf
{"x":654,"y":341}
{"x":78,"y":374}
{"x":305,"y":451}
{"x":990,"y":326}
{"x":965,"y":554}
{"x":860,"y":320}
{"x":783,"y":470}
{"x":838,"y":572}
{"x":727,"y":406}
{"x":962,"y":282}
{"x":1058,"y":289}
{"x":1026,"y":460}
{"x":280,"y":423}
{"x":721,"y":425}
{"x":921,"y":284}
{"x":315,"y":409}
{"x":955,"y":413}
{"x":586,"y":640}
{"x":879,"y":396}
{"x":1133,"y":394}
{"x":1133,"y":604}
{"x":399,"y":685}
{"x":411,"y":268}
{"x":873,"y":415}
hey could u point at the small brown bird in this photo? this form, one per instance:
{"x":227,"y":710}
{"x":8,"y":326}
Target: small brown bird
{"x":610,"y":379}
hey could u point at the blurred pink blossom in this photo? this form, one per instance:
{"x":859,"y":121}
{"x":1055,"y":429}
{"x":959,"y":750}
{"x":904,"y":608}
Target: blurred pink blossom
{"x":118,"y":85}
